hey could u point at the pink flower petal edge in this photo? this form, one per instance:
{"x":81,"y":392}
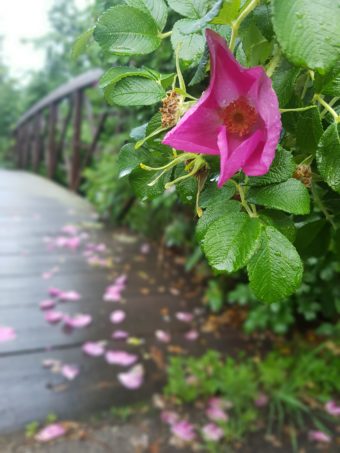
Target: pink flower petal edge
{"x":210,"y":127}
{"x":133,"y":378}
{"x":7,"y":334}
{"x":50,"y":432}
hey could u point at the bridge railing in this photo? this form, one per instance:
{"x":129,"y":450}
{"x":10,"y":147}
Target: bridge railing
{"x":40,"y":134}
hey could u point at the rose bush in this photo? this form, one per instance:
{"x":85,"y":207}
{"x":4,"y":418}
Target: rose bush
{"x":277,"y":203}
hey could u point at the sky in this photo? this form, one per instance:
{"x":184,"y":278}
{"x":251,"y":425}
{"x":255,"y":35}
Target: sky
{"x":20,"y":20}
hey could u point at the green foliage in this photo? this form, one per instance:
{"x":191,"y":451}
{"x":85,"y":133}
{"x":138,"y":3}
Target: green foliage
{"x":314,"y":36}
{"x":266,"y":223}
{"x":289,"y":382}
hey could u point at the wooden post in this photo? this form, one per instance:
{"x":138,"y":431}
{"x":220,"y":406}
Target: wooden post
{"x":51,"y":144}
{"x":36,"y":147}
{"x":64,"y":129}
{"x":76,"y":142}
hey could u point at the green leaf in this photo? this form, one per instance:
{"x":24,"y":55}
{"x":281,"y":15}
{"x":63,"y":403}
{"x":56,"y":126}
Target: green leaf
{"x":255,"y":45}
{"x":330,"y":83}
{"x":280,"y":221}
{"x":275,"y":271}
{"x":154,"y":124}
{"x":199,"y":24}
{"x":190,"y":46}
{"x":263,"y":19}
{"x":308,"y":32}
{"x":212,"y":213}
{"x":128,"y":160}
{"x":140,"y":180}
{"x":134,"y":91}
{"x":231,"y":241}
{"x":201,"y":70}
{"x":194,"y":9}
{"x":213,"y":196}
{"x":290,"y":196}
{"x":156,"y":8}
{"x":308,"y":130}
{"x":328,"y":157}
{"x":282,"y":168}
{"x":123,"y":30}
{"x":81,"y":43}
{"x":228,"y":12}
{"x":284,"y":80}
{"x":114,"y":75}
{"x":313,"y":238}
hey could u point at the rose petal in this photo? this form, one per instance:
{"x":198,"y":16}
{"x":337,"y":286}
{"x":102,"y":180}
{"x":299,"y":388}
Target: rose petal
{"x":163,"y":336}
{"x":69,"y":296}
{"x":120,"y":358}
{"x":117,"y":316}
{"x":184,"y":316}
{"x":50,"y":432}
{"x":133,"y":378}
{"x":47,"y":304}
{"x":212,"y":432}
{"x":70,"y":372}
{"x":184,"y":430}
{"x":7,"y":334}
{"x":53,"y":317}
{"x":94,"y":349}
{"x":319,"y":436}
{"x":78,"y":321}
{"x":120,"y":335}
{"x":192,"y":335}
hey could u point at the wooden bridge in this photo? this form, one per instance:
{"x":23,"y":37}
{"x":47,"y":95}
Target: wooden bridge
{"x":41,"y":133}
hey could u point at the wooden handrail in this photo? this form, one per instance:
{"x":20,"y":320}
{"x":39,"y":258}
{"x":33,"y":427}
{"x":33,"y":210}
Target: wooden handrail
{"x":41,"y":133}
{"x":78,"y":83}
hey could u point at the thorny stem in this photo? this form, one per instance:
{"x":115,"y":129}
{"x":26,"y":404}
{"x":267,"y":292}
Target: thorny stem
{"x":321,"y":206}
{"x":236,"y":23}
{"x":321,"y":101}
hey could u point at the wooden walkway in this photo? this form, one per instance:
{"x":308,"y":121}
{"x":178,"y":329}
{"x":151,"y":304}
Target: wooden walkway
{"x":32,"y":209}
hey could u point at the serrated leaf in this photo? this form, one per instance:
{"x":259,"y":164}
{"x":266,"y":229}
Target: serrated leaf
{"x":212,"y":213}
{"x":190,"y":47}
{"x":117,"y":73}
{"x":328,"y":157}
{"x":275,"y":271}
{"x":123,"y":30}
{"x":81,"y":43}
{"x":228,"y":12}
{"x":262,"y":15}
{"x":280,"y":221}
{"x":313,"y":238}
{"x":212,"y":195}
{"x":289,"y":196}
{"x":308,"y":32}
{"x":201,"y":68}
{"x":193,"y":9}
{"x":134,"y":91}
{"x":282,"y":168}
{"x":255,"y":45}
{"x":156,"y":8}
{"x":199,"y":24}
{"x":128,"y":160}
{"x":140,"y":180}
{"x":154,"y":124}
{"x":308,"y":130}
{"x":283,"y":81}
{"x":231,"y":241}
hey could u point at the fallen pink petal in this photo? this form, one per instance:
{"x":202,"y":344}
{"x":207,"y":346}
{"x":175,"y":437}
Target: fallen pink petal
{"x":184,"y":431}
{"x":7,"y":334}
{"x":78,"y":321}
{"x":163,"y":336}
{"x":132,"y":379}
{"x":117,"y":316}
{"x":212,"y":432}
{"x":70,"y":372}
{"x":262,"y":400}
{"x":319,"y":436}
{"x":72,"y":230}
{"x":184,"y":316}
{"x":94,"y":349}
{"x":332,"y":408}
{"x":215,"y":413}
{"x":69,"y":296}
{"x":47,"y":304}
{"x":120,"y":358}
{"x":54,"y":317}
{"x":120,"y":335}
{"x":237,"y":117}
{"x":54,"y":292}
{"x":192,"y":335}
{"x":50,"y":432}
{"x":169,"y":417}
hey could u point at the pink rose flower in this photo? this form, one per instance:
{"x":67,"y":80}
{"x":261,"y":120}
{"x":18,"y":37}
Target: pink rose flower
{"x":332,"y":408}
{"x":184,"y":430}
{"x":212,"y":432}
{"x":237,"y":117}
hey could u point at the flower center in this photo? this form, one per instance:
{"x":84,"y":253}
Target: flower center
{"x":239,"y":117}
